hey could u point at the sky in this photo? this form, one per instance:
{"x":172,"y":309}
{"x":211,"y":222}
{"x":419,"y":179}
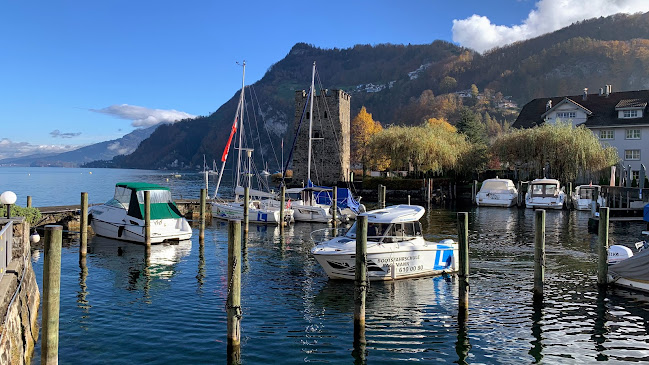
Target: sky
{"x":74,"y":73}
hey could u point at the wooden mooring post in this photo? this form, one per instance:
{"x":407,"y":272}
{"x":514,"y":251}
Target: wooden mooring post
{"x":463,"y":248}
{"x":334,"y":204}
{"x":474,"y":191}
{"x":51,"y":294}
{"x":147,"y":218}
{"x":201,"y":219}
{"x":29,"y":201}
{"x":602,"y":238}
{"x":83,"y":226}
{"x":539,"y":253}
{"x":282,"y":201}
{"x":246,"y":209}
{"x":380,"y":191}
{"x":360,"y":281}
{"x":233,"y":300}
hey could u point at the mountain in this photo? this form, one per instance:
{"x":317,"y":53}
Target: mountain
{"x":98,"y":151}
{"x":404,"y":84}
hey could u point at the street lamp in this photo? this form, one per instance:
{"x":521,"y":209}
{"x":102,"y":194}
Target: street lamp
{"x":8,"y":198}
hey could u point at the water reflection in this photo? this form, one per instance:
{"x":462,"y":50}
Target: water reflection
{"x":82,"y":294}
{"x":200,"y":276}
{"x":134,"y":263}
{"x":537,"y":331}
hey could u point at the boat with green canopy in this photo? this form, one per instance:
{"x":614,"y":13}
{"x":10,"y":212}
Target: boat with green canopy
{"x":122,"y":217}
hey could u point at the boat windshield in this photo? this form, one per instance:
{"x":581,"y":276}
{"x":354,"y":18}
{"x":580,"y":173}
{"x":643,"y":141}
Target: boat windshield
{"x":544,"y":190}
{"x":494,"y":186}
{"x":587,"y":193}
{"x":157,"y":196}
{"x":122,"y":198}
{"x":387,"y":232}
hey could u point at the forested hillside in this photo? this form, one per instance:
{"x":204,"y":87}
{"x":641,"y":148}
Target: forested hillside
{"x":406,"y":84}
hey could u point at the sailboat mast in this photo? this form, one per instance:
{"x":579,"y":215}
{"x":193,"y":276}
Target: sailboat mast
{"x":243,"y":100}
{"x":234,"y":128}
{"x":308,"y":169}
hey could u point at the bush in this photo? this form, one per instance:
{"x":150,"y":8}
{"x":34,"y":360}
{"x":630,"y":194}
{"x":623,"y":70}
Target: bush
{"x":32,"y":215}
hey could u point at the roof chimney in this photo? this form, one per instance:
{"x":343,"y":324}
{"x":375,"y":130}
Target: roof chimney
{"x":609,"y":90}
{"x":548,"y":105}
{"x":601,"y":91}
{"x":585,"y":96}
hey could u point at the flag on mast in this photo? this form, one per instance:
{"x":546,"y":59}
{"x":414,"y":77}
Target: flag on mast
{"x":227,"y":146}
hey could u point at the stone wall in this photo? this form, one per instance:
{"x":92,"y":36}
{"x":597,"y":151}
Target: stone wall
{"x":19,"y":300}
{"x":331,"y":138}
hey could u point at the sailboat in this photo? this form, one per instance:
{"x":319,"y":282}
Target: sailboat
{"x":259,"y":211}
{"x":314,"y":203}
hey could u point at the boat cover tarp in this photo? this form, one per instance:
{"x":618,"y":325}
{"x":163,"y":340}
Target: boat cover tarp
{"x":635,"y":267}
{"x":646,"y":213}
{"x":162,"y":207}
{"x":345,"y":199}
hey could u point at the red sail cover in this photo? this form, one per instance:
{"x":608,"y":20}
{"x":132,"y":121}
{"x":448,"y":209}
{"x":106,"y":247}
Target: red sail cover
{"x":227,"y":146}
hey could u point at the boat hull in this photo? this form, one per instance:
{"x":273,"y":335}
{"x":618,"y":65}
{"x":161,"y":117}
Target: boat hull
{"x":115,"y":223}
{"x":434,"y":259}
{"x":308,"y":213}
{"x":496,"y":200}
{"x":261,"y":216}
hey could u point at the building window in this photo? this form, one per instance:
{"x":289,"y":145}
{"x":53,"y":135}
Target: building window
{"x":629,"y":114}
{"x":566,"y":115}
{"x":631,"y":155}
{"x":606,"y":134}
{"x":632,"y":134}
{"x":635,"y":175}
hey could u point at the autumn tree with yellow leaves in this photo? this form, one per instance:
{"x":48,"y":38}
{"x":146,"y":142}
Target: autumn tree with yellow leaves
{"x":363,"y":127}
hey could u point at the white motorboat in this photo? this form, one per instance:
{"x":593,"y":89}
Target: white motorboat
{"x":497,"y":193}
{"x":305,"y":206}
{"x":545,"y":194}
{"x":122,"y":217}
{"x":627,"y":269}
{"x":396,"y":248}
{"x":582,"y":198}
{"x":259,"y":211}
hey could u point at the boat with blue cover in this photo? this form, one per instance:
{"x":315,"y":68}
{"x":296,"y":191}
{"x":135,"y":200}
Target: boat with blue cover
{"x":396,"y":248}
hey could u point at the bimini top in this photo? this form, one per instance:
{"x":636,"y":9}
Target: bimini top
{"x":396,"y":214}
{"x":545,"y":182}
{"x":139,"y":186}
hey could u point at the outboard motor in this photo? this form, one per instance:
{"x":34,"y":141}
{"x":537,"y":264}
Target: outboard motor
{"x":617,"y":253}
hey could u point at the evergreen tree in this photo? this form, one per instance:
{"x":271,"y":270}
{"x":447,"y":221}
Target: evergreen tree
{"x":471,"y":125}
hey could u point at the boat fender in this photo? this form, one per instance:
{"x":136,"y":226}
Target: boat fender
{"x":617,"y":253}
{"x":448,"y":241}
{"x":120,"y":230}
{"x":362,"y":209}
{"x":89,"y":218}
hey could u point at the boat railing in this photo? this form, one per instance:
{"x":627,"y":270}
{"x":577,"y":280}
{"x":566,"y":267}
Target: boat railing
{"x":324,"y":234}
{"x":6,"y":245}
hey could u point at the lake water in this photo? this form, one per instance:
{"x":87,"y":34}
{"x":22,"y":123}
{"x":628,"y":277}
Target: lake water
{"x":119,"y":309}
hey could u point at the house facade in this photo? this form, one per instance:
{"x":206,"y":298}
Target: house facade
{"x":618,"y":119}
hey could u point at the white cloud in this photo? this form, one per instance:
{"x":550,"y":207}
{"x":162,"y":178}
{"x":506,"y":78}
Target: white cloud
{"x":143,"y":117}
{"x":57,"y":133}
{"x":119,"y":149}
{"x":10,"y":149}
{"x":477,"y":32}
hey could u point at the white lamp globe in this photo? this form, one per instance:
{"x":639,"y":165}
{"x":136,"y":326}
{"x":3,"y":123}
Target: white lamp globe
{"x":8,"y":197}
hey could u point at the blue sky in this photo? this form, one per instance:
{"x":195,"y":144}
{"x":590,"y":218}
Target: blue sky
{"x":74,"y":73}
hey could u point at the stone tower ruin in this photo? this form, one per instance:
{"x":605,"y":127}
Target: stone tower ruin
{"x":330,"y":147}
